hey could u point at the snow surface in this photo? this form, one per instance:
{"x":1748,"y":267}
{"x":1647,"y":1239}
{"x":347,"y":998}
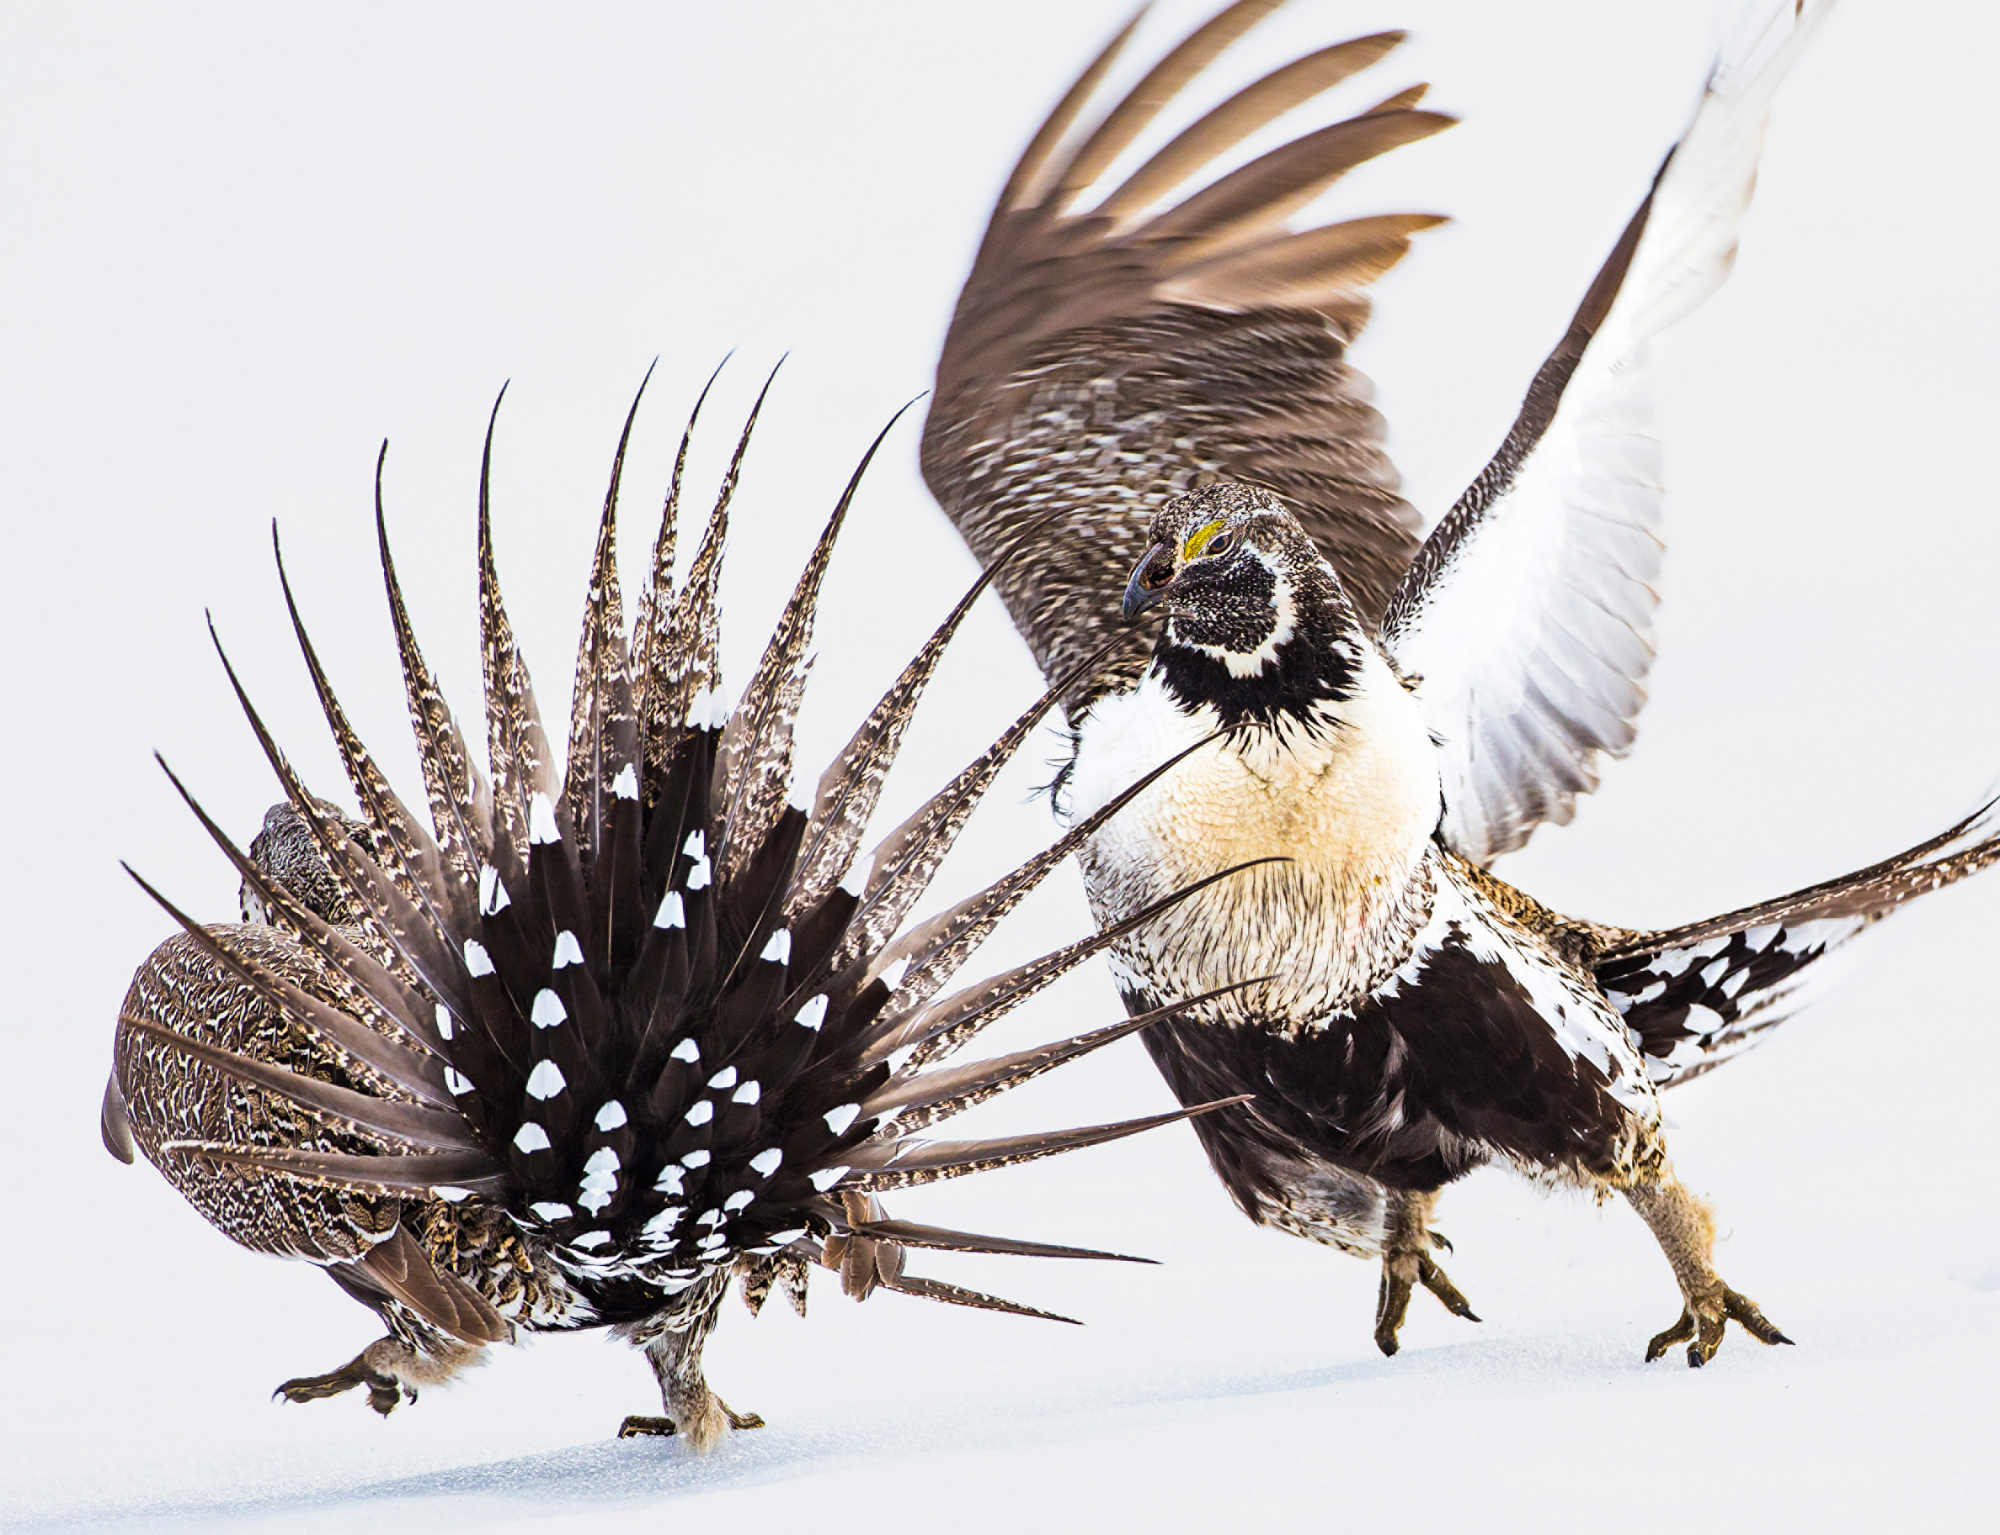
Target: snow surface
{"x":242,"y":244}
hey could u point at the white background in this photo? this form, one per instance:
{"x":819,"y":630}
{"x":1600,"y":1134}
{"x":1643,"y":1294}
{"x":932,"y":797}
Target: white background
{"x":242,"y":244}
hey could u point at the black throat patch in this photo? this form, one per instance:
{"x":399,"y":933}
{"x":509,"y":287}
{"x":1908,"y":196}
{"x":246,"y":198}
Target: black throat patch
{"x":1316,"y":664}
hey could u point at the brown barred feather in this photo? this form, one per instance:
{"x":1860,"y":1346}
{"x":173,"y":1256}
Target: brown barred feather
{"x":575,"y":1052}
{"x":1095,"y":368}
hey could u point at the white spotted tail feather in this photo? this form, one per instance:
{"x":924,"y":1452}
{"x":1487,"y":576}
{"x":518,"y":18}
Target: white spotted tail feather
{"x":642,"y":1009}
{"x":1528,"y":613}
{"x":1697,"y":995}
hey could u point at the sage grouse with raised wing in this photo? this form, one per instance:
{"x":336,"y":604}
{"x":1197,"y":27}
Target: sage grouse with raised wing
{"x":1395,"y":717}
{"x":606,"y":1033}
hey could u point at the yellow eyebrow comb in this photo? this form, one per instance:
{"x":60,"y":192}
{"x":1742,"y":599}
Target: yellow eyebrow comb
{"x":1198,"y":539}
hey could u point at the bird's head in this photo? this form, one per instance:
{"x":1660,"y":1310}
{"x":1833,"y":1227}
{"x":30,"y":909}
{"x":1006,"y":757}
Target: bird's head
{"x":286,"y":853}
{"x":1257,"y":623}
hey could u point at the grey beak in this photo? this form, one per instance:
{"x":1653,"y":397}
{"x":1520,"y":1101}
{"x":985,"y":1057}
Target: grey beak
{"x":1152,"y":578}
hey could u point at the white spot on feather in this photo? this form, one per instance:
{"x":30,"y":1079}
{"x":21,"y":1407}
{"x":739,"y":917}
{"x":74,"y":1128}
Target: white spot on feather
{"x":550,"y":1210}
{"x":1703,"y":1021}
{"x":493,"y":895}
{"x":813,"y":1014}
{"x":531,"y":1137}
{"x":660,"y":1228}
{"x":477,"y":961}
{"x":611,"y":1116}
{"x":749,"y":1092}
{"x":826,"y":1178}
{"x":603,"y":1160}
{"x":778,"y":949}
{"x":591,"y":1239}
{"x":699,"y":875}
{"x":546,"y":1080}
{"x":568,"y":950}
{"x":457,"y":1081}
{"x":785,"y":1238}
{"x":701,"y":1113}
{"x":446,"y":1026}
{"x":738,"y":1200}
{"x":450,"y":1193}
{"x":548,"y":1010}
{"x":541,"y":820}
{"x":723,"y":1079}
{"x":695,"y":1158}
{"x":837,"y":1120}
{"x":670,"y":1181}
{"x":626,"y":784}
{"x":766,"y":1163}
{"x":687,"y":1050}
{"x":672,"y":912}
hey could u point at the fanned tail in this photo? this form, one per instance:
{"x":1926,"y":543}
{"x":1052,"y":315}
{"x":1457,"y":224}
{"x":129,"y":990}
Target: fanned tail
{"x":647,"y":1010}
{"x":1694,"y":996}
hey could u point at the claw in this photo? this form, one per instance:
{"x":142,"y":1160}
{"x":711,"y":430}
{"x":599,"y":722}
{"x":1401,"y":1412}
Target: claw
{"x":638,"y":1425}
{"x":1680,"y":1332}
{"x":1434,"y":1280}
{"x":1399,"y":1282}
{"x":383,"y":1391}
{"x":1702,"y":1324}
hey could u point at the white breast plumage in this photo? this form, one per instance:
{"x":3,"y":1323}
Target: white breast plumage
{"x":1351,"y":805}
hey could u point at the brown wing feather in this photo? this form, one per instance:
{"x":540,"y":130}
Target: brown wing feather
{"x":401,"y":1267}
{"x":1105,"y":358}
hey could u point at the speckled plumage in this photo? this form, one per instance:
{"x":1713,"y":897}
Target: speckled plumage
{"x":1389,"y":729}
{"x":1107,"y":355}
{"x":583,"y":1050}
{"x":1418,"y":1016}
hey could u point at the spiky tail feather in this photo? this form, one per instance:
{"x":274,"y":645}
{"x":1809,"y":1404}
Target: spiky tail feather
{"x":643,"y":1010}
{"x":1699,"y":994}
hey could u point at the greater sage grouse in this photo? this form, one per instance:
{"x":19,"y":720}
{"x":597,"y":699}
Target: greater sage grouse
{"x":617,"y":1026}
{"x":1392,"y":728}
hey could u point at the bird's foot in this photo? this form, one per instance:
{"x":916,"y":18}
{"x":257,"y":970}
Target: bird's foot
{"x":1701,"y":1326}
{"x":705,"y":1428}
{"x":1402,"y":1272}
{"x":384,"y":1391}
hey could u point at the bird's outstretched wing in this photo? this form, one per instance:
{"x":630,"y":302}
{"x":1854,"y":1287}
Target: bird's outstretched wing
{"x":1528,"y":614}
{"x":1107,"y":353}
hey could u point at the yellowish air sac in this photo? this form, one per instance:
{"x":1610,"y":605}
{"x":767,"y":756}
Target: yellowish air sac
{"x":1198,"y":539}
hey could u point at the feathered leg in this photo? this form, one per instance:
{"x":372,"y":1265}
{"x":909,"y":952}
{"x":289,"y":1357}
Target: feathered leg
{"x":1407,"y":1262}
{"x":693,"y":1411}
{"x":1685,"y":1230}
{"x":390,"y":1369}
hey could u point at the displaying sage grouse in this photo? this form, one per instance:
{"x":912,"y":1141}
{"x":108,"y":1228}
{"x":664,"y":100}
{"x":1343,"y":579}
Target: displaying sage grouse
{"x":616,"y":1027}
{"x":1393,"y":717}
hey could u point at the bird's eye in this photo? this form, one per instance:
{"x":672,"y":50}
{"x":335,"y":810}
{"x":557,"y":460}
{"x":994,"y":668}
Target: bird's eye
{"x":1210,"y":538}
